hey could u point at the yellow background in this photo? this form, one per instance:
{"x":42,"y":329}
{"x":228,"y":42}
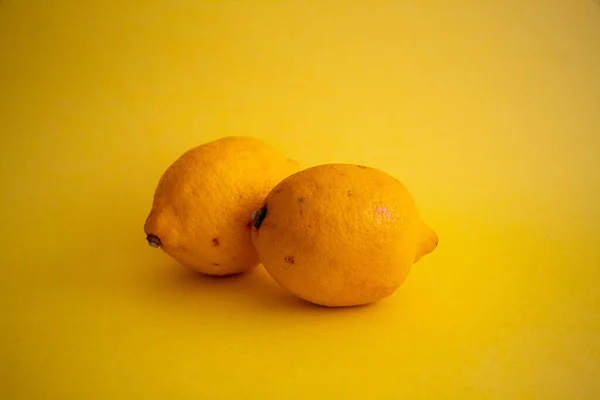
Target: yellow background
{"x":489,"y":111}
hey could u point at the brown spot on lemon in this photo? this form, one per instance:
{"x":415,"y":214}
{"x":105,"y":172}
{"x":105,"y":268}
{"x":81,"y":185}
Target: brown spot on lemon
{"x":259,"y":216}
{"x":153,"y":241}
{"x":290,"y":260}
{"x":216,"y":242}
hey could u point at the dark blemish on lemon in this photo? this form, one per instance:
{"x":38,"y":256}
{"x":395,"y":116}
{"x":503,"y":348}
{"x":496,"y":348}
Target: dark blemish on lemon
{"x":260,"y":216}
{"x":361,"y":167}
{"x":153,"y":241}
{"x":290,"y":260}
{"x":310,"y":226}
{"x":277,"y":191}
{"x":216,"y":264}
{"x":349,"y":193}
{"x":301,"y":200}
{"x":216,"y":242}
{"x":249,"y":225}
{"x":301,"y":213}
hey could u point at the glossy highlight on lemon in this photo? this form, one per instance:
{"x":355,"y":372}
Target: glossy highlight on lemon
{"x":202,"y":206}
{"x":340,"y":234}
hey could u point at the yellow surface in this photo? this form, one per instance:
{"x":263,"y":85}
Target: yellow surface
{"x":488,"y":111}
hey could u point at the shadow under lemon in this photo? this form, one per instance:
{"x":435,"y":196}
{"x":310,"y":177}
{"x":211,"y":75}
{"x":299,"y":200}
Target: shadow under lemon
{"x":250,"y":289}
{"x":254,"y":290}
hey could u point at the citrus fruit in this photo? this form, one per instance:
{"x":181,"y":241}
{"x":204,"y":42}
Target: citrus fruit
{"x":202,"y":206}
{"x":340,"y":234}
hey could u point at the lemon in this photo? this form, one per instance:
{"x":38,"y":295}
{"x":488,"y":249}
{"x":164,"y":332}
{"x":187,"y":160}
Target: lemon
{"x":202,"y":206}
{"x":340,"y":234}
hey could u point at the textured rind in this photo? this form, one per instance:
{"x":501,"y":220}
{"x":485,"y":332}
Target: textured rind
{"x":341,"y":234}
{"x":203,"y":203}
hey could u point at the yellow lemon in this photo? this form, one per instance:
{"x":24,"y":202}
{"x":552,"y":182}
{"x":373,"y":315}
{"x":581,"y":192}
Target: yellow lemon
{"x":340,"y":234}
{"x":202,"y":206}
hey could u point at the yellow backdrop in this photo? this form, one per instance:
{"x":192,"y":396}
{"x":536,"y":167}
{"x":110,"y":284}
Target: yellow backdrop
{"x":489,"y":112}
